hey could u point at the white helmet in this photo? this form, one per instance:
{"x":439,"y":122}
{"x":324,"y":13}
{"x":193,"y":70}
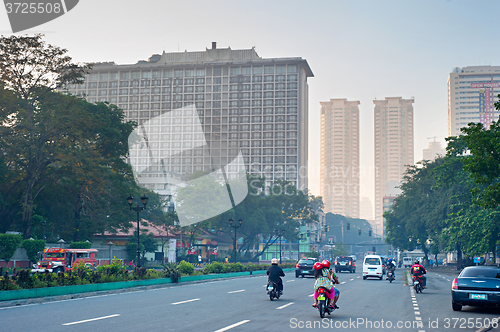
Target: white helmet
{"x":274,"y":261}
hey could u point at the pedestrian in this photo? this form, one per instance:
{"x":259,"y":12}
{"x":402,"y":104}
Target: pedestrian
{"x":199,"y":259}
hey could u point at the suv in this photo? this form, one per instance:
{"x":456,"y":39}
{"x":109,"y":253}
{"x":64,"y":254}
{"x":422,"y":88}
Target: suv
{"x":345,"y":263}
{"x":305,"y":267}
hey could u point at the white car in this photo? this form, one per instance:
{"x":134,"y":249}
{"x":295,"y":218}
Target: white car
{"x":372,"y":267}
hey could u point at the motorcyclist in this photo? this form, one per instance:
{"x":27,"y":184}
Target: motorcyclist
{"x":275,"y":272}
{"x":335,"y":280}
{"x":325,"y":277}
{"x":391,"y":268}
{"x":419,"y":271}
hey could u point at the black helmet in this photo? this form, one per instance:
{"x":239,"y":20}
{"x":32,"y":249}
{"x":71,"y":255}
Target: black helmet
{"x":417,"y":262}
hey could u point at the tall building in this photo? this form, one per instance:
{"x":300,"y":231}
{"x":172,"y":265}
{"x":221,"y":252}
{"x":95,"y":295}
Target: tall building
{"x":472,"y":92}
{"x":340,"y":157}
{"x":393,"y":147}
{"x":199,"y":111}
{"x":433,"y":151}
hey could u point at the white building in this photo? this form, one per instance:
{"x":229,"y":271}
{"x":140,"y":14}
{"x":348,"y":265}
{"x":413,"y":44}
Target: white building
{"x":200,"y":110}
{"x":472,"y":92}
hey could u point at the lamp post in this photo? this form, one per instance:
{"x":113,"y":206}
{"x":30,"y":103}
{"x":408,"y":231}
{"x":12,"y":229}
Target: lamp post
{"x":138,"y":209}
{"x":280,"y":235}
{"x":235,"y":226}
{"x":44,"y":222}
{"x":110,"y":244}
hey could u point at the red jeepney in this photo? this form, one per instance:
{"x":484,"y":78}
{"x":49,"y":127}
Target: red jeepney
{"x":62,"y":260}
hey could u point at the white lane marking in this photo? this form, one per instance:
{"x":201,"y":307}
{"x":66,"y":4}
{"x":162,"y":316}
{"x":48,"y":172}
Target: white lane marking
{"x":357,"y":276}
{"x":448,"y":279}
{"x":351,"y":279}
{"x":417,"y":312}
{"x":418,"y":318}
{"x":311,"y":295}
{"x":343,"y":282}
{"x":286,"y":305}
{"x":236,"y":291}
{"x":91,"y":320}
{"x":80,"y":298}
{"x":185,"y":301}
{"x":19,"y":306}
{"x":234,"y":325}
{"x":290,"y":280}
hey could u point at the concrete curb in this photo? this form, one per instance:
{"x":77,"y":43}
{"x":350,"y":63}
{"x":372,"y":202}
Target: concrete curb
{"x":30,"y":296}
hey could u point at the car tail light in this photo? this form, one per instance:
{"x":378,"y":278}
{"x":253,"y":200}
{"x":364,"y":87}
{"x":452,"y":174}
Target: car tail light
{"x":297,"y":265}
{"x":335,"y":263}
{"x":349,"y":263}
{"x":454,"y":284}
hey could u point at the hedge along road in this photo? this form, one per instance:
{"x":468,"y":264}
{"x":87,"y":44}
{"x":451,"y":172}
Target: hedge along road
{"x":37,"y":295}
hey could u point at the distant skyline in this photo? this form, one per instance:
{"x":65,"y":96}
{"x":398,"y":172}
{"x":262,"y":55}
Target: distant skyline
{"x":358,"y":50}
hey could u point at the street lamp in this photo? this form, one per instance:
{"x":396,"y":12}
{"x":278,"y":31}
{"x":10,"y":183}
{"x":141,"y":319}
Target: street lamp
{"x":235,"y":228}
{"x":110,"y":244}
{"x":44,"y":222}
{"x":280,"y":235}
{"x":138,"y":209}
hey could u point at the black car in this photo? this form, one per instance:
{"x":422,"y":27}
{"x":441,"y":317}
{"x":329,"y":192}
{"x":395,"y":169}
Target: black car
{"x":305,"y":267}
{"x":476,"y":286}
{"x":345,"y":263}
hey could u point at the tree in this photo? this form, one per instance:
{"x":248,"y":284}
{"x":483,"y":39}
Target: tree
{"x":33,"y":247}
{"x":32,"y":69}
{"x":8,"y":246}
{"x":147,"y":244}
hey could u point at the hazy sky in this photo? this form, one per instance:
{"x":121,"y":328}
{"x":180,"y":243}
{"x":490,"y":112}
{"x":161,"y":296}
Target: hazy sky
{"x":359,"y":50}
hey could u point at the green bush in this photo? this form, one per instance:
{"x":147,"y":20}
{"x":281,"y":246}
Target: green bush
{"x":186,"y":268}
{"x":234,"y":267}
{"x":214,"y":267}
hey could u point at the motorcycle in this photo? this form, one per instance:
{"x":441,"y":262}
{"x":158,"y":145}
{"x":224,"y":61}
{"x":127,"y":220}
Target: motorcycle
{"x":323,"y":306}
{"x":418,"y":284}
{"x":273,"y":291}
{"x":390,"y":276}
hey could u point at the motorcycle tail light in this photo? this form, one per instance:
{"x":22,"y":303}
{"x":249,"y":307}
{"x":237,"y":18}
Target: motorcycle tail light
{"x":321,"y":290}
{"x":454,"y":284}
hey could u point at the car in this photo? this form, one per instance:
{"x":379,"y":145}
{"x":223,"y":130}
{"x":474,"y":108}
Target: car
{"x":345,"y":263}
{"x":372,"y":267}
{"x":407,"y":262}
{"x":476,"y":286}
{"x":305,"y":267}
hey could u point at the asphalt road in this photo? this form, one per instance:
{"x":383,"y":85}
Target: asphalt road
{"x":241,"y":304}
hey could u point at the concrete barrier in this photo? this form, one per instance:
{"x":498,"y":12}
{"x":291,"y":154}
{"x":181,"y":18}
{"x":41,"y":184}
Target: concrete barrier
{"x":109,"y":286}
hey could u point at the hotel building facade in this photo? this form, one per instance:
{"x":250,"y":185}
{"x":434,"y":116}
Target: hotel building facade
{"x":202,"y":110}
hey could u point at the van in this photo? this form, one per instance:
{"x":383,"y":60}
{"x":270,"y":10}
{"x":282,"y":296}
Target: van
{"x":372,"y":267}
{"x":407,"y":262}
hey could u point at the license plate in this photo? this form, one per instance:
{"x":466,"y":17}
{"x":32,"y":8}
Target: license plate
{"x":320,"y":298}
{"x":342,"y":263}
{"x":270,"y":288}
{"x":478,"y":296}
{"x":371,"y":269}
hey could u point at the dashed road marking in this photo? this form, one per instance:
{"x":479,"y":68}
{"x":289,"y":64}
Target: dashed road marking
{"x":236,"y":291}
{"x":91,"y":320}
{"x":284,"y":306}
{"x":290,"y":280}
{"x":175,"y":303}
{"x":234,"y":325}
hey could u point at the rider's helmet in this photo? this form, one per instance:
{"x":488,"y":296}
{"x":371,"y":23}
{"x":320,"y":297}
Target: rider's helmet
{"x":317,"y":266}
{"x":389,"y":260}
{"x":274,"y":261}
{"x":326,"y":264}
{"x":417,"y":262}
